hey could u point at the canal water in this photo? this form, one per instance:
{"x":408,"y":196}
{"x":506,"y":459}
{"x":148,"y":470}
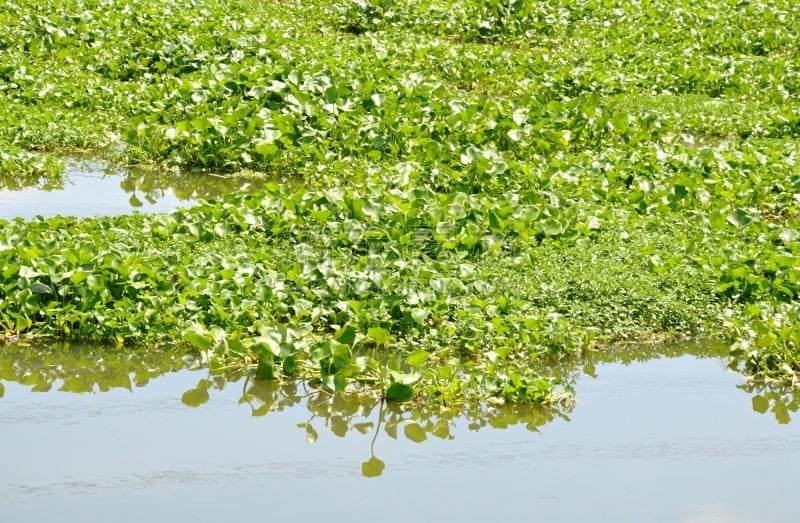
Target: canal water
{"x":92,"y":187}
{"x":677,"y":438}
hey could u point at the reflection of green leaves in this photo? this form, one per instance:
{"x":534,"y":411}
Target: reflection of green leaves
{"x":760,"y":404}
{"x":373,"y":467}
{"x":135,"y":202}
{"x":781,"y":413}
{"x":778,"y":399}
{"x":2,"y":390}
{"x":415,"y":432}
{"x":311,"y":434}
{"x":197,"y":396}
{"x":77,"y":384}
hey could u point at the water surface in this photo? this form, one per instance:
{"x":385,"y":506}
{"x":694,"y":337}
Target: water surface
{"x":673,"y":439}
{"x":91,"y":187}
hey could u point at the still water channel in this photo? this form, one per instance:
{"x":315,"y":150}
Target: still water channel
{"x":92,"y":187}
{"x":677,"y":438}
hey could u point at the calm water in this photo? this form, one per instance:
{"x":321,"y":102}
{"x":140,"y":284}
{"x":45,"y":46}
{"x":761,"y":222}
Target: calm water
{"x":94,"y":188}
{"x":667,"y":440}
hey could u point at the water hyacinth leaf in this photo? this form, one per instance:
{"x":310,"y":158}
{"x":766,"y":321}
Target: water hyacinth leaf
{"x":418,"y":358}
{"x":552,"y":227}
{"x":789,"y":235}
{"x":739,"y":218}
{"x":346,"y":335}
{"x":380,"y":335}
{"x":680,"y":191}
{"x":39,"y":288}
{"x":391,"y":428}
{"x":77,"y":384}
{"x":516,"y":135}
{"x":270,"y":136}
{"x":199,"y":337}
{"x":420,"y":315}
{"x":400,"y":392}
{"x":42,"y":387}
{"x":78,"y":277}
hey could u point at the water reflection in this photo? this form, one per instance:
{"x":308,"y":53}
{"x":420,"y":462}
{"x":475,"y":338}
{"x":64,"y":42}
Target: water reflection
{"x":86,"y":369}
{"x":662,"y":441}
{"x":92,"y":187}
{"x":45,"y":180}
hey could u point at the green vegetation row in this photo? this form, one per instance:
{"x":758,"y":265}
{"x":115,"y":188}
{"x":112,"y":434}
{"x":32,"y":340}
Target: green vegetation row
{"x":469,"y":186}
{"x":445,"y":295}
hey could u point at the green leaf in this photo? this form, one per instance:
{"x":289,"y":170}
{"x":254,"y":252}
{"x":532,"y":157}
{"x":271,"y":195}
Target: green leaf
{"x":515,"y":135}
{"x":198,"y":337}
{"x":40,"y":288}
{"x":346,"y":335}
{"x":420,"y":315}
{"x":418,"y":358}
{"x":789,"y":235}
{"x":380,"y":335}
{"x":739,"y":218}
{"x":552,"y":227}
{"x":79,"y":276}
{"x":400,"y":392}
{"x":270,"y":136}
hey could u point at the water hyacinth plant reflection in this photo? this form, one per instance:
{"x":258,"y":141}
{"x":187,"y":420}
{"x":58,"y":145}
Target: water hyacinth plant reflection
{"x":82,"y":369}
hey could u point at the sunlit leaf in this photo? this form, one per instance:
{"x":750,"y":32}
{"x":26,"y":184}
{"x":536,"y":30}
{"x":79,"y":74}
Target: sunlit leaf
{"x":380,"y":335}
{"x":418,"y":358}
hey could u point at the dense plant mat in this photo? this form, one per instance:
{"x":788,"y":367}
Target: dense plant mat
{"x":468,"y":186}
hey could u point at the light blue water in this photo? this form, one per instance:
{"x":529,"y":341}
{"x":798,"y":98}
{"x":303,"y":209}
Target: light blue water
{"x":668,"y":440}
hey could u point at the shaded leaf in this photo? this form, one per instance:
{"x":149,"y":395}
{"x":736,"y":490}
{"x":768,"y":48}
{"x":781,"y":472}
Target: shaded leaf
{"x":400,"y":392}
